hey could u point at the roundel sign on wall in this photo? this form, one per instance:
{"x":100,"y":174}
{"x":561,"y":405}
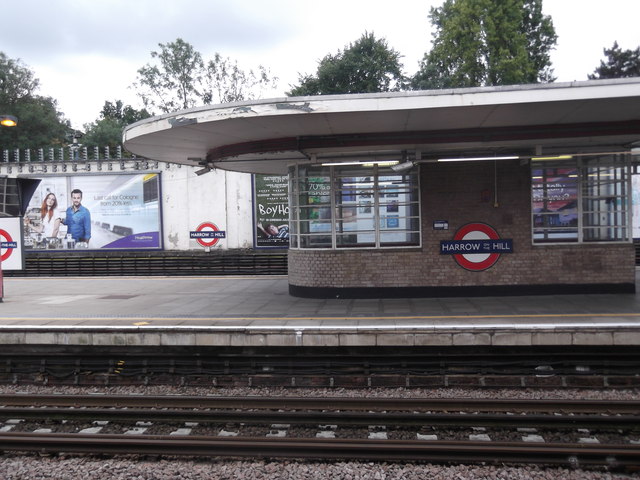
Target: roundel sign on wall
{"x":207,"y":234}
{"x":7,"y":245}
{"x":476,"y":246}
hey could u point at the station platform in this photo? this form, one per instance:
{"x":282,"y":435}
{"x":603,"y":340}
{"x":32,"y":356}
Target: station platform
{"x":258,"y":311}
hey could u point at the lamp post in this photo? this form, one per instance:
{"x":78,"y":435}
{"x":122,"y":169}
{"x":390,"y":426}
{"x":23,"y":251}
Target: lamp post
{"x":5,"y":121}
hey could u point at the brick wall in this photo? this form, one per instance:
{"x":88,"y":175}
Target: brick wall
{"x":461,"y":193}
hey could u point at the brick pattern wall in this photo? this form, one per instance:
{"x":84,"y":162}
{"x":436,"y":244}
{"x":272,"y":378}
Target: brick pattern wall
{"x":461,"y":193}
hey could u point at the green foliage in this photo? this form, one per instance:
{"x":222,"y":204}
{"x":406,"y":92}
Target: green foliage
{"x":125,"y":114}
{"x":171,"y":85}
{"x":620,"y":63}
{"x":40,"y":124}
{"x":183,"y":79}
{"x":487,"y":42}
{"x":366,"y":66}
{"x":107,"y":130}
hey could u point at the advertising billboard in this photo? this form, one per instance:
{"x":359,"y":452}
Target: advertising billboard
{"x":271,"y":211}
{"x":113,"y":211}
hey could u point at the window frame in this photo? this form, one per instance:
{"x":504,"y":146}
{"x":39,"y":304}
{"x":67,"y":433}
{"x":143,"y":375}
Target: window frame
{"x":591,"y":223}
{"x":348,"y":202}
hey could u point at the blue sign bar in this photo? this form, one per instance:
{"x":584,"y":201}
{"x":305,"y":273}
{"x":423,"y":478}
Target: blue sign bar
{"x":208,"y":234}
{"x":9,"y":244}
{"x":461,"y":247}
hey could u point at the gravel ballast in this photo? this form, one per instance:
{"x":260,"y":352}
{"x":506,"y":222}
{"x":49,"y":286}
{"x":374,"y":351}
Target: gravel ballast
{"x":34,"y":467}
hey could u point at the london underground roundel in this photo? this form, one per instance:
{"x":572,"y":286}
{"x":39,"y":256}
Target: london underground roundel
{"x":206,"y":229}
{"x":5,"y":238}
{"x":476,"y":246}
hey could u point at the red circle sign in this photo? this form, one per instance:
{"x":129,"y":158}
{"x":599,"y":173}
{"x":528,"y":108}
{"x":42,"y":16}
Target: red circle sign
{"x":207,"y":226}
{"x":476,"y":261}
{"x":7,"y":238}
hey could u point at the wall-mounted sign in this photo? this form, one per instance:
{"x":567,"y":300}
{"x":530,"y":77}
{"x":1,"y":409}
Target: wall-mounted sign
{"x":441,"y":225}
{"x":207,"y":234}
{"x":10,"y":244}
{"x":476,"y":246}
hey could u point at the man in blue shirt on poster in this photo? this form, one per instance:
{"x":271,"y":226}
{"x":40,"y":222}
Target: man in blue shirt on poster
{"x":78,"y":219}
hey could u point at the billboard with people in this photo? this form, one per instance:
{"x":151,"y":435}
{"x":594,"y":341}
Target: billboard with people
{"x":113,"y":211}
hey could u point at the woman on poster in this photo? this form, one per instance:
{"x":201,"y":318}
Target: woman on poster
{"x":49,"y":218}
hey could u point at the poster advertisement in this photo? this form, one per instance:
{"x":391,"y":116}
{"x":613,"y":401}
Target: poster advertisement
{"x":95,"y":212}
{"x":271,"y":211}
{"x":555,"y":203}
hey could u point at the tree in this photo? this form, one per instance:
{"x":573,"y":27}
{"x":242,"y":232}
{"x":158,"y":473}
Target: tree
{"x":40,"y":124}
{"x":173,"y":84}
{"x":620,"y":63}
{"x":366,"y":66}
{"x":125,"y":114}
{"x":226,"y":82}
{"x":183,"y":79}
{"x":107,"y":130}
{"x":487,"y":42}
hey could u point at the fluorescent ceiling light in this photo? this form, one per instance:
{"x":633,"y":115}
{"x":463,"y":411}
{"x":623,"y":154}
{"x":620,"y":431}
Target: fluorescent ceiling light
{"x":555,"y":157}
{"x":473,"y":159}
{"x":381,"y":163}
{"x":384,"y":163}
{"x":368,"y":185}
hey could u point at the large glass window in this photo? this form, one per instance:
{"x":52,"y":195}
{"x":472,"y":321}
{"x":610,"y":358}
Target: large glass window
{"x":582,"y":200}
{"x":9,"y":197}
{"x":353,"y":206}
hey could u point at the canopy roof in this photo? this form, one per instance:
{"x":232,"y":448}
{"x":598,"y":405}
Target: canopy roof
{"x":264,"y":136}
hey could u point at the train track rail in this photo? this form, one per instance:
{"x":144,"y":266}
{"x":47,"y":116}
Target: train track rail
{"x":607,"y":407}
{"x":575,"y":455}
{"x":396,"y":413}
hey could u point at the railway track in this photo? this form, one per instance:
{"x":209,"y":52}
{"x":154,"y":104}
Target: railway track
{"x":577,"y":455}
{"x":284,"y":428}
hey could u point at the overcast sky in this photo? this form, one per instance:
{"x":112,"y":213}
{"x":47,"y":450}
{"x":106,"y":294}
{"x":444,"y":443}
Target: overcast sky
{"x":86,"y":52}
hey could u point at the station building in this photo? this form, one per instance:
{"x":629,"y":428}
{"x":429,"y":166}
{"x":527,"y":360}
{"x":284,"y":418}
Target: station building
{"x":510,"y":190}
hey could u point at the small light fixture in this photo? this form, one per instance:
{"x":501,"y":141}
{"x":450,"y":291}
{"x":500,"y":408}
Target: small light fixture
{"x":403,"y":167}
{"x":8,"y":120}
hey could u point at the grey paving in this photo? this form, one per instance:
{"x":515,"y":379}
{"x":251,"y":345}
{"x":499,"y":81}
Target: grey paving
{"x":259,"y":311}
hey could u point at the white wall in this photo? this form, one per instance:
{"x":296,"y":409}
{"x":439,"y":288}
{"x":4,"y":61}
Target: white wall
{"x":224,"y":198}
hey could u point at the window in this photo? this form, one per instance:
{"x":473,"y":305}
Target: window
{"x":9,"y":197}
{"x":353,"y":207}
{"x":584,"y":200}
{"x":150,"y":187}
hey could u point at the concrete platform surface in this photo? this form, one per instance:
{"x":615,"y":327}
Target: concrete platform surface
{"x":258,"y":311}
